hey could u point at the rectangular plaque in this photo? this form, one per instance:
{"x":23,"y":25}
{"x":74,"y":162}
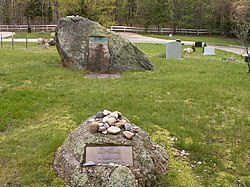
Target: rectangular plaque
{"x":98,"y":39}
{"x":121,"y":155}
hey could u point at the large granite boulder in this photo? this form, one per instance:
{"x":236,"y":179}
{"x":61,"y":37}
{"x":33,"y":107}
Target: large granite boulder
{"x":107,"y":150}
{"x":86,"y":45}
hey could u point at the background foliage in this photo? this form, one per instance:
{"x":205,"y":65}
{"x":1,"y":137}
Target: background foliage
{"x":212,"y":14}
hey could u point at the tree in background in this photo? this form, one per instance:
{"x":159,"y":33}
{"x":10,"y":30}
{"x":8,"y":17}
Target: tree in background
{"x":224,"y":12}
{"x":50,"y":13}
{"x":6,"y":8}
{"x":132,"y":11}
{"x":100,"y":11}
{"x":120,"y":12}
{"x":176,"y":13}
{"x":212,"y":14}
{"x":161,"y":13}
{"x":33,"y":9}
{"x":241,"y":20}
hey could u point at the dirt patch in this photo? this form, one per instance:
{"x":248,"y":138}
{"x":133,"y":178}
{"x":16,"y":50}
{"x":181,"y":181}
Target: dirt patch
{"x":103,"y":76}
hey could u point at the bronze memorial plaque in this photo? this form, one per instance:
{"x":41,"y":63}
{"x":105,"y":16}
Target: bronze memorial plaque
{"x":121,"y":155}
{"x":98,"y":55}
{"x":98,"y":39}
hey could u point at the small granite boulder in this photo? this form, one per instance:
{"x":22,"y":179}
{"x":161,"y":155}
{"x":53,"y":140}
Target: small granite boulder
{"x":125,"y":158}
{"x":86,"y":45}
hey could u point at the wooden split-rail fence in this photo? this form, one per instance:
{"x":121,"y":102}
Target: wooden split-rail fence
{"x":164,"y":30}
{"x":33,"y":28}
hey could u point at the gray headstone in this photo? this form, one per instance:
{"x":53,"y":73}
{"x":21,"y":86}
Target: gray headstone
{"x":174,"y":50}
{"x":209,"y":51}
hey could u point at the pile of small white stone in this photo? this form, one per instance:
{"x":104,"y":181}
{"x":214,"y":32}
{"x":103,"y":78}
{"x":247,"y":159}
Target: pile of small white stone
{"x":107,"y":122}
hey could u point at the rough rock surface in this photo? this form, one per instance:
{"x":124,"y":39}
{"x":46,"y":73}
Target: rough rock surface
{"x":149,"y":159}
{"x":115,"y":54}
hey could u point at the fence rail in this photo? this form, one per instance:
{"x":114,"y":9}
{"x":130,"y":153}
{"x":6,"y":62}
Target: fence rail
{"x":25,"y":27}
{"x":115,"y":28}
{"x":163,"y":30}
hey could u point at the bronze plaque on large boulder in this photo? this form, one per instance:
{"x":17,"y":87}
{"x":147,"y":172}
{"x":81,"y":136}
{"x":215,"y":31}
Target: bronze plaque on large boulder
{"x":86,"y":45}
{"x":99,"y":55}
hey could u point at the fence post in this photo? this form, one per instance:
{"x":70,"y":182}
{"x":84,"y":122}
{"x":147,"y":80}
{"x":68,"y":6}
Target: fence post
{"x":26,"y":42}
{"x":12,"y":41}
{"x":1,"y":40}
{"x":124,"y":29}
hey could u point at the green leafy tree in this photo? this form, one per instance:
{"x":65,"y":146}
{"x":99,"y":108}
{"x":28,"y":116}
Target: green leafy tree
{"x":241,"y":28}
{"x":33,"y":9}
{"x":176,"y":13}
{"x":120,"y":12}
{"x":161,"y":13}
{"x":100,"y":11}
{"x":6,"y":11}
{"x":50,"y":14}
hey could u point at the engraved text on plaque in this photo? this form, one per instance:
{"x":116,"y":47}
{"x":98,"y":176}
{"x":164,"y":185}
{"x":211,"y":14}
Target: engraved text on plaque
{"x":121,"y":155}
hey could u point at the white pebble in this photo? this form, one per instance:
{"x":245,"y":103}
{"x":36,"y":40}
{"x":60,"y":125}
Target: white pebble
{"x":106,"y":112}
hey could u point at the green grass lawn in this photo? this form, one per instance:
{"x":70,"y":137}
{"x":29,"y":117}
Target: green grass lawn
{"x":45,"y":35}
{"x":199,"y":104}
{"x":213,"y":39}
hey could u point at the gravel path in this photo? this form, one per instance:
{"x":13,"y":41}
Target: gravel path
{"x":6,"y":34}
{"x":136,"y":38}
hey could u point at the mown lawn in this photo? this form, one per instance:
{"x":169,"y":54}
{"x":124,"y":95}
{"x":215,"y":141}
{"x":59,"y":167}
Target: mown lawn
{"x":213,"y":39}
{"x":199,"y":104}
{"x":45,"y":35}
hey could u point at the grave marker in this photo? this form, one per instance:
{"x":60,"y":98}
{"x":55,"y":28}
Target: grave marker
{"x":198,"y":44}
{"x":174,"y":50}
{"x":209,"y":51}
{"x":121,"y":155}
{"x":98,"y":55}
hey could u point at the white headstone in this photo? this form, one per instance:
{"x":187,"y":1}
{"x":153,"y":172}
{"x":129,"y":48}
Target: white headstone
{"x":174,"y":50}
{"x":209,"y":51}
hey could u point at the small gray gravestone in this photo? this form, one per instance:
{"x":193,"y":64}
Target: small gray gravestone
{"x":174,"y":50}
{"x":209,"y":51}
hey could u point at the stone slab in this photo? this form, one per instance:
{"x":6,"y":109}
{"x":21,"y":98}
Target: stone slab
{"x":198,"y":44}
{"x":174,"y":50}
{"x":209,"y":51}
{"x":121,"y":155}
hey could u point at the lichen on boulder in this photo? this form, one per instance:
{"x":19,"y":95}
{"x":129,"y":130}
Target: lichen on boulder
{"x":149,"y":159}
{"x":86,"y":45}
